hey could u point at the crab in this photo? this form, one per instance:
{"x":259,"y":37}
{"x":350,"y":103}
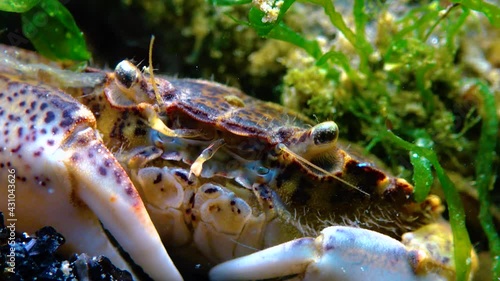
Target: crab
{"x":191,"y":164}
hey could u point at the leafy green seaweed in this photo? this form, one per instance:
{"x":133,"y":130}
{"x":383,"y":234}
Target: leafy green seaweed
{"x":485,"y":170}
{"x":53,"y":32}
{"x":489,"y":10}
{"x":51,"y":29}
{"x":17,"y":6}
{"x":427,"y":158}
{"x":422,"y":168}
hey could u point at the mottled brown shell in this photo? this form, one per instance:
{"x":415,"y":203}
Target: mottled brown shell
{"x":228,"y":109}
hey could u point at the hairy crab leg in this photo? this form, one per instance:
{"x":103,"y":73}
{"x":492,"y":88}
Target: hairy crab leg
{"x":67,"y":178}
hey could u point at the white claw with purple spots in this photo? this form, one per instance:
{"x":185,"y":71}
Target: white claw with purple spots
{"x":65,"y":177}
{"x":339,"y":253}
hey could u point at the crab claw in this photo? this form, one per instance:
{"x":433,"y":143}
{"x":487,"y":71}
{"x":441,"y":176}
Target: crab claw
{"x":61,"y":174}
{"x":339,"y":253}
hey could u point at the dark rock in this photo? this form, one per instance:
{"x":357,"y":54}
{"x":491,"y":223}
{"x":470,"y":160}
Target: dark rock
{"x":34,"y":258}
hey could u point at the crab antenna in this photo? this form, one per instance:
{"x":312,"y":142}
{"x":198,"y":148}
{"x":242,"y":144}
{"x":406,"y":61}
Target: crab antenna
{"x":282,"y":147}
{"x":151,"y":70}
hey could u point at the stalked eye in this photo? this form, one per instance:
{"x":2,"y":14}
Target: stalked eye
{"x":325,"y":133}
{"x":127,"y":74}
{"x":262,"y":171}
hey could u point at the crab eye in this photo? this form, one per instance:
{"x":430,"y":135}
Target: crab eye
{"x":127,"y":74}
{"x":325,"y":133}
{"x":262,"y":171}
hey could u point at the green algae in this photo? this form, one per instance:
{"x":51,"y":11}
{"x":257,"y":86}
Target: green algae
{"x":17,"y":6}
{"x":485,"y":173}
{"x":51,"y":29}
{"x":54,"y":33}
{"x":425,"y":158}
{"x":490,"y":10}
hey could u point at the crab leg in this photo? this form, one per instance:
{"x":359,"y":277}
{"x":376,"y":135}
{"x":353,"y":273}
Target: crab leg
{"x":339,"y":253}
{"x":65,"y":177}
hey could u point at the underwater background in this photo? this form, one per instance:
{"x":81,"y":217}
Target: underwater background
{"x":429,"y":71}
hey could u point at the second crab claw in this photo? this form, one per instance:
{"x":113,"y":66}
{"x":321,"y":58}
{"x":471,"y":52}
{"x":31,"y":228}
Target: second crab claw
{"x":339,"y":253}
